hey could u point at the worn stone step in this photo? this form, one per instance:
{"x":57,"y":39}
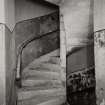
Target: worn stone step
{"x":40,"y":75}
{"x":47,"y":100}
{"x":25,"y":95}
{"x":46,"y":66}
{"x":56,"y":101}
{"x":41,"y":88}
{"x":40,"y":68}
{"x":44,"y":58}
{"x":41,"y":83}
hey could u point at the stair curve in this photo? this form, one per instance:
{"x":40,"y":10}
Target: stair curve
{"x":41,"y":82}
{"x":43,"y":58}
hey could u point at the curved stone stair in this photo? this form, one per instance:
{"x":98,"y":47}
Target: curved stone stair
{"x":42,"y":83}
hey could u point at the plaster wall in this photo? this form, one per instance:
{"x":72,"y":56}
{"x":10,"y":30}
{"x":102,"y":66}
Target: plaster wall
{"x":2,"y":65}
{"x":78,"y":19}
{"x":99,"y":14}
{"x":10,"y":63}
{"x":99,"y":36}
{"x":4,"y":20}
{"x":7,"y":21}
{"x":10,"y":68}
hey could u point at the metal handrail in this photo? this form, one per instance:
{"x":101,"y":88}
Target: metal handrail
{"x":81,"y":70}
{"x":20,"y":49}
{"x":99,"y":30}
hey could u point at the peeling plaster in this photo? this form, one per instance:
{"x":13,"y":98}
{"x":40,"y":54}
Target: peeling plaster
{"x":99,"y":37}
{"x":103,"y":102}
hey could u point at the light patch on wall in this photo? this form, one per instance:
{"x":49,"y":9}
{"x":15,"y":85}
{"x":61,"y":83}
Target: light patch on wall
{"x":78,"y":20}
{"x":82,"y":4}
{"x":103,"y":102}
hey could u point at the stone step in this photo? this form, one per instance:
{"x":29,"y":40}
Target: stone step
{"x":40,"y":75}
{"x":44,"y":58}
{"x":42,"y":84}
{"x":25,"y":95}
{"x":41,"y":88}
{"x":46,"y":66}
{"x":56,"y":101}
{"x":40,"y":68}
{"x":49,"y":100}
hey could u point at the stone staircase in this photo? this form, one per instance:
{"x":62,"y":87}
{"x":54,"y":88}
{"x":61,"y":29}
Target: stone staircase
{"x":42,"y":82}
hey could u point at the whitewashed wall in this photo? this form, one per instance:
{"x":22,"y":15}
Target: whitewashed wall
{"x":99,"y":36}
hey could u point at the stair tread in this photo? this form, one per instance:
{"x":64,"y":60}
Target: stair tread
{"x":43,"y":100}
{"x":43,"y":69}
{"x":27,"y":94}
{"x":41,"y":83}
{"x":46,"y":65}
{"x":41,"y":87}
{"x":40,"y":74}
{"x":57,"y":101}
{"x":40,"y":78}
{"x":45,"y":57}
